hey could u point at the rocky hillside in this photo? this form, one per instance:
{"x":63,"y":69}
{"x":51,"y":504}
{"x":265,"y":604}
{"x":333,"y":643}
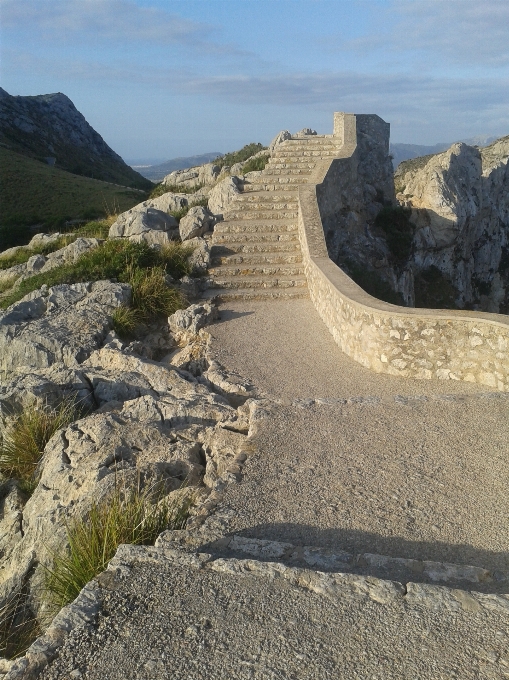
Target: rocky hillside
{"x":50,"y":126}
{"x":444,"y":242}
{"x":459,"y":202}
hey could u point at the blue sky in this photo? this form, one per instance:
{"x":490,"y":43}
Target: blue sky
{"x":164,"y":78}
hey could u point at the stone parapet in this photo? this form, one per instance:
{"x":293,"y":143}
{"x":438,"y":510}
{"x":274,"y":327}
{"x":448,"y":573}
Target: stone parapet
{"x":406,"y":342}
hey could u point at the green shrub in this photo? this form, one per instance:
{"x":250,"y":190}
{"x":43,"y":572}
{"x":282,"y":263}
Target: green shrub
{"x":174,"y":256}
{"x":239,"y":156}
{"x":7,"y":284}
{"x":108,"y":261}
{"x":25,"y":435}
{"x":256,"y":164}
{"x":371,"y":282}
{"x":398,"y":230}
{"x":126,"y":517}
{"x":434,"y":290}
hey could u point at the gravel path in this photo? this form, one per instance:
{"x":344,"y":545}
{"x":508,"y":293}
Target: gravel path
{"x":286,"y":351}
{"x":406,"y":478}
{"x":168,"y":622}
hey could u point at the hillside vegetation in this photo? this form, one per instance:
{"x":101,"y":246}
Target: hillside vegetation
{"x":32,"y":192}
{"x":49,"y":125}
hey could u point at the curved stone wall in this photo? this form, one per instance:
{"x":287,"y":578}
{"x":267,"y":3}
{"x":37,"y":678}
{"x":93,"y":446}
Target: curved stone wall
{"x":408,"y":342}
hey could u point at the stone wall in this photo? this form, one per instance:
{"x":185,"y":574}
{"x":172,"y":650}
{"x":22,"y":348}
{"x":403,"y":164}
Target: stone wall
{"x":418,"y":343}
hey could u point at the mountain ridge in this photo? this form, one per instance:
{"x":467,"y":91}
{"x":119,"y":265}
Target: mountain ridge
{"x":50,"y":126}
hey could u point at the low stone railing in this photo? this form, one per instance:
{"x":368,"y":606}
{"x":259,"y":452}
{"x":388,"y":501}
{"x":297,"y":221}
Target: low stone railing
{"x":407,"y":342}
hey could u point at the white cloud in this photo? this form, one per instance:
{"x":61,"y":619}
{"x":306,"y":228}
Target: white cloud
{"x":118,"y":21}
{"x":462,"y":32}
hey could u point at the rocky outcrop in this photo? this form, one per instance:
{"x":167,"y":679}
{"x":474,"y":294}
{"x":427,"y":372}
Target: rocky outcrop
{"x":203,"y":175}
{"x":145,"y":224}
{"x":196,"y":223}
{"x":155,"y":425}
{"x":460,"y":208}
{"x":63,"y":324}
{"x":222,"y":195}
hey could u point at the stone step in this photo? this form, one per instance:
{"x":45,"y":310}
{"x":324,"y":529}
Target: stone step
{"x":278,"y":164}
{"x":163,"y":612}
{"x":254,"y":248}
{"x":275,"y":184}
{"x":285,"y":172}
{"x":304,"y":153}
{"x":255,"y":239}
{"x":250,"y":281}
{"x":257,"y":270}
{"x":281,"y":198}
{"x":238,"y":213}
{"x":260,"y":258}
{"x":269,"y":225}
{"x":367,"y":564}
{"x":225,"y":294}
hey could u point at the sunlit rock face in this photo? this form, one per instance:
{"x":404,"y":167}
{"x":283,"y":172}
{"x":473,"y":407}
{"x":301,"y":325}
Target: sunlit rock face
{"x":460,"y":207}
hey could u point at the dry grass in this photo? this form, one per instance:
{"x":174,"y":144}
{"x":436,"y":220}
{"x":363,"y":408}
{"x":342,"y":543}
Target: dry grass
{"x":25,"y":435}
{"x":126,"y":517}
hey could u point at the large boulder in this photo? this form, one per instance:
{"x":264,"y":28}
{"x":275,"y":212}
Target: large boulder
{"x":197,"y":221}
{"x":144,"y":224}
{"x":200,"y":257}
{"x":203,"y":175}
{"x":168,"y":202}
{"x":223,"y":194}
{"x":60,"y":324}
{"x":189,"y":321}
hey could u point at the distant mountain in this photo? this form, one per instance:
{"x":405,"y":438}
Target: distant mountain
{"x":157,"y":172}
{"x":50,"y":126}
{"x":404,"y":152}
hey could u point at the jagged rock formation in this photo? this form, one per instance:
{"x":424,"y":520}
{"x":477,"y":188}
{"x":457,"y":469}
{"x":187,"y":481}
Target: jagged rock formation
{"x":50,"y":126}
{"x":460,"y":207}
{"x":154,"y":423}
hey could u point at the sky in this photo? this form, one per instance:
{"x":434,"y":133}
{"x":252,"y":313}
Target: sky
{"x":165,"y":78}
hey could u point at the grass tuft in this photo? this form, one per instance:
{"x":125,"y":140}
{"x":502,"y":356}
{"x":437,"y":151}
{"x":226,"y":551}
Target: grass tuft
{"x":25,"y":435}
{"x":124,"y":321}
{"x":126,"y":517}
{"x":18,"y":626}
{"x":151,"y":296}
{"x":243,"y":154}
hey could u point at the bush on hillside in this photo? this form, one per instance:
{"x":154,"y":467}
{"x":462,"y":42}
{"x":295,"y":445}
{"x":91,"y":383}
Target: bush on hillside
{"x":256,"y":164}
{"x":243,"y":154}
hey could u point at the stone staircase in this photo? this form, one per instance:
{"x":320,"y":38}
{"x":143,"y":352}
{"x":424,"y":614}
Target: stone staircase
{"x":256,"y":250}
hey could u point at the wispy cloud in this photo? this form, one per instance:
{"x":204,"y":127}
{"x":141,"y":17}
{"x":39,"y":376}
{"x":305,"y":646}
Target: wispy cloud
{"x":464,"y":32}
{"x":107,"y":21}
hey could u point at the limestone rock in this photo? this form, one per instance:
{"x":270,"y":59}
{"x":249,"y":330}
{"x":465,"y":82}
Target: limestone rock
{"x":144,"y":224}
{"x":44,"y":239}
{"x":70,"y":253}
{"x":35,"y":263}
{"x":168,"y":202}
{"x":60,"y":324}
{"x":191,"y":320}
{"x":196,"y":223}
{"x":223,"y":194}
{"x":305,"y":132}
{"x":199,"y":259}
{"x":279,"y":139}
{"x":45,"y":386}
{"x":460,"y":206}
{"x":206,"y":174}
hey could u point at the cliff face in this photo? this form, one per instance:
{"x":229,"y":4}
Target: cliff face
{"x":443,"y":243}
{"x":50,"y":126}
{"x":460,"y":207}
